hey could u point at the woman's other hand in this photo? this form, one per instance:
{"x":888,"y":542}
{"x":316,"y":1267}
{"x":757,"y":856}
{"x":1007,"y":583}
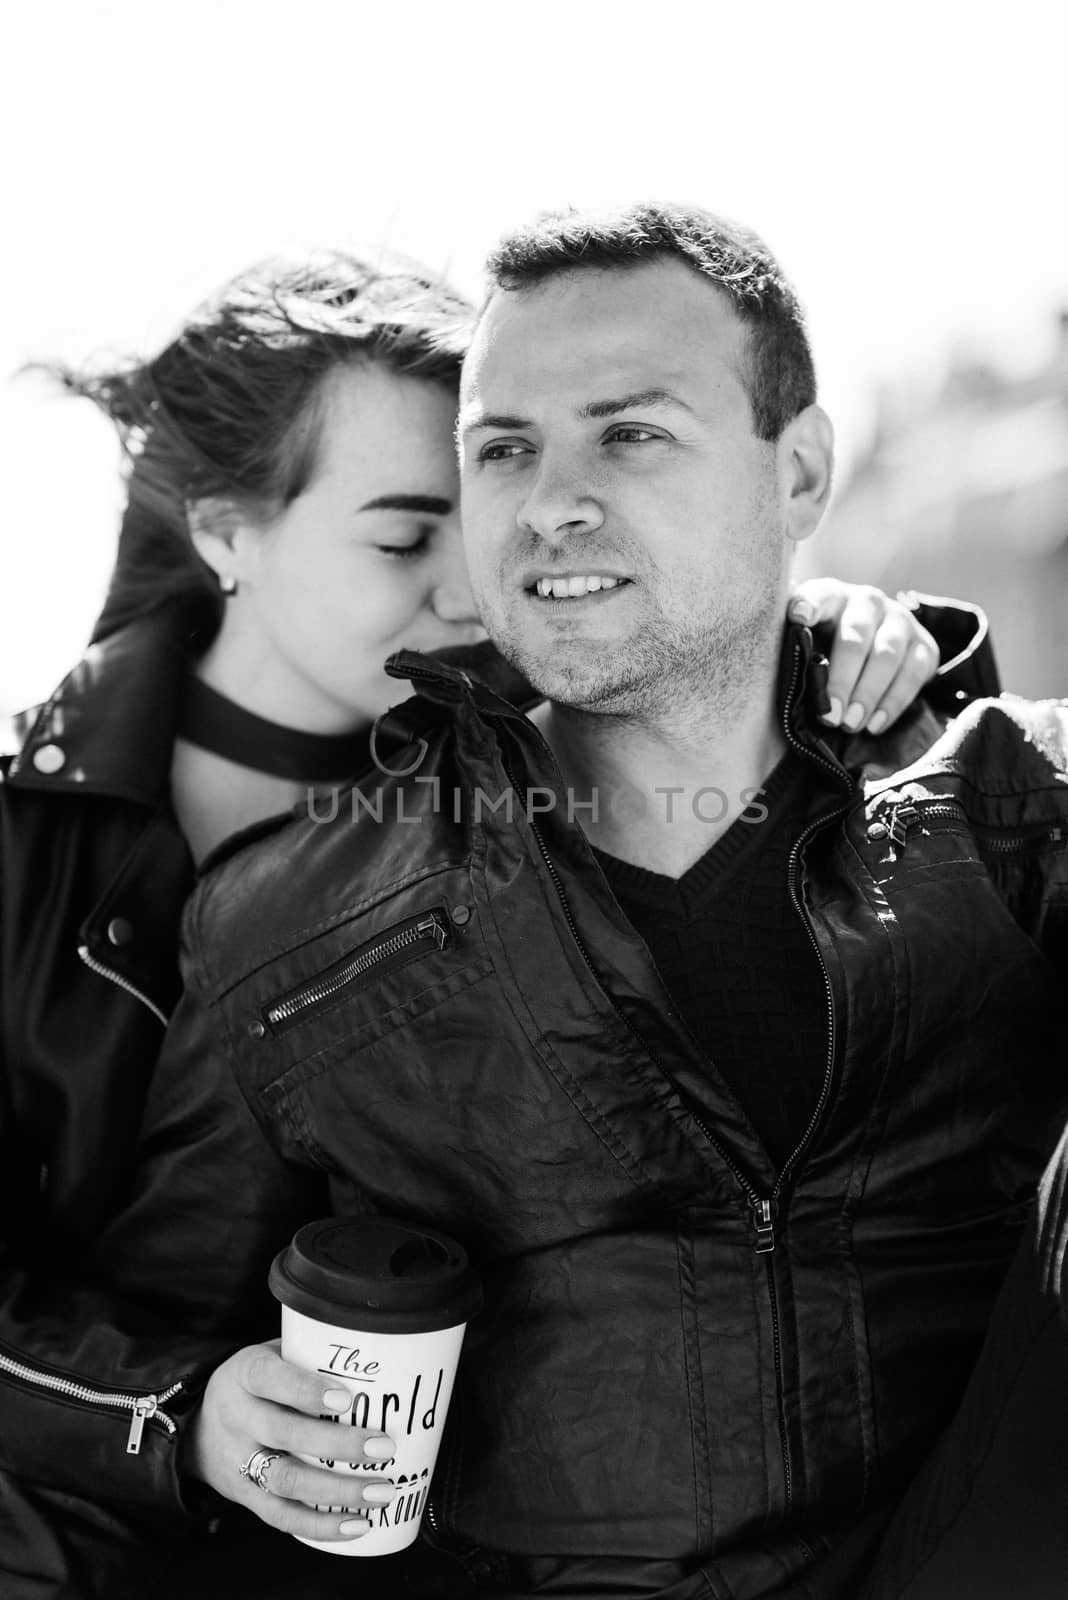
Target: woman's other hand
{"x":880,"y":656}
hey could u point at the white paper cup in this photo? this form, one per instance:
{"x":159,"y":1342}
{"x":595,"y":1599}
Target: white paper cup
{"x":379,"y":1308}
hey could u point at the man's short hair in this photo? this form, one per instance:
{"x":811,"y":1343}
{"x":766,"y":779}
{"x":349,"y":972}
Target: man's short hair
{"x":779,"y":373}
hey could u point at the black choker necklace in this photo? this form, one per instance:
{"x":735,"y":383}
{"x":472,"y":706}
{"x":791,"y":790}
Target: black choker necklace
{"x":212,"y":722}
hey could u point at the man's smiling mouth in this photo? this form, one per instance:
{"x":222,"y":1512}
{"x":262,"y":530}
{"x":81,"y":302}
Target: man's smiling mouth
{"x":574,"y":587}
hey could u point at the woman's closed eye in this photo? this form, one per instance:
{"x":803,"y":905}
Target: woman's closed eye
{"x":407,"y":550}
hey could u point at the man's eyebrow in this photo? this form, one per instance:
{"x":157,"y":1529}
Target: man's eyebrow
{"x":596,"y":409}
{"x":431,"y":505}
{"x":629,"y":402}
{"x":469,"y":421}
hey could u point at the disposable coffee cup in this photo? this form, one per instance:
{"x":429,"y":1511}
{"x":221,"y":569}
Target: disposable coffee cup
{"x":379,"y":1308}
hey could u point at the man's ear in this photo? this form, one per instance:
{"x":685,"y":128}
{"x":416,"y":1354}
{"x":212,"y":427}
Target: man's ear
{"x":214,"y":530}
{"x":806,"y":469}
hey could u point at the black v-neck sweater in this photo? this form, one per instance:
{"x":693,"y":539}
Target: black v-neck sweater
{"x":738,"y":961}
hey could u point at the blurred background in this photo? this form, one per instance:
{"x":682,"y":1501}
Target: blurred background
{"x":907,"y":165}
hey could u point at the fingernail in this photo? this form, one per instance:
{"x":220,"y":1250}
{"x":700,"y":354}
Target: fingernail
{"x":379,"y":1494}
{"x":801,"y":611}
{"x":877,"y":723}
{"x":379,"y":1448}
{"x":353,"y":1530}
{"x":854,"y":716}
{"x":834,"y":715}
{"x":337,"y":1399}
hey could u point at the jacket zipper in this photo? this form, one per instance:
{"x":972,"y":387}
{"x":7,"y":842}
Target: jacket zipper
{"x":764,"y":1207}
{"x":398,"y":942}
{"x":825,"y":1089}
{"x":142,"y":1407}
{"x":828,"y":1071}
{"x":906,"y":815}
{"x":123,"y":983}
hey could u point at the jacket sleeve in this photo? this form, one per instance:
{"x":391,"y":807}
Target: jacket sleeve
{"x":101,"y":1370}
{"x":968,"y":670}
{"x":214,"y":1201}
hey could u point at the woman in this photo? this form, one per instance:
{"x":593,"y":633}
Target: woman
{"x":292,"y":519}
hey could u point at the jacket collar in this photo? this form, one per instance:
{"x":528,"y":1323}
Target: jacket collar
{"x":109,"y":727}
{"x":479,"y":675}
{"x":473,"y":672}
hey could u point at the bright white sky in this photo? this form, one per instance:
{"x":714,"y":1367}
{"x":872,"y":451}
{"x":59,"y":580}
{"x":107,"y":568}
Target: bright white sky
{"x":907,"y":163}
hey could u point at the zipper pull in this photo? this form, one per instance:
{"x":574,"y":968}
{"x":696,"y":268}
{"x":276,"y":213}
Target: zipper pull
{"x":432,"y":925}
{"x":765,"y":1227}
{"x":901,"y":819}
{"x":143,"y":1409}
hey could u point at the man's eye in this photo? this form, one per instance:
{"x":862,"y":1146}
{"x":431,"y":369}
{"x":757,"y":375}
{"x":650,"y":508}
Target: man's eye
{"x":630,"y":433}
{"x":503,"y":450}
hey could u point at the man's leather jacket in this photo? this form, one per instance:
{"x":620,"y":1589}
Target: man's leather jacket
{"x":695,"y":1375}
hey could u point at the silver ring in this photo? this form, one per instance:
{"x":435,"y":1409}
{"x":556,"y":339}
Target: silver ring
{"x":256,"y":1466}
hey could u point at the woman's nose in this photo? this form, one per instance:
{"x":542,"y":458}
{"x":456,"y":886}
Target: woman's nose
{"x":453,"y":600}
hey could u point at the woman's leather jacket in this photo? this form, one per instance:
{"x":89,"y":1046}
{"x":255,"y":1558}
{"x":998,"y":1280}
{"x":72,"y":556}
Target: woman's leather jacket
{"x":93,"y":877}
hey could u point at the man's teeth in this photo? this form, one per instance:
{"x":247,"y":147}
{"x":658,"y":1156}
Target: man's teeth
{"x":572,"y":588}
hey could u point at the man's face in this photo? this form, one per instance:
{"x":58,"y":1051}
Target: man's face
{"x":608,"y":455}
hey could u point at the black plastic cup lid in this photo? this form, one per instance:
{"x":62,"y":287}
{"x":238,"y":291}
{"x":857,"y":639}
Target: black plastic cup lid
{"x":375,"y":1274}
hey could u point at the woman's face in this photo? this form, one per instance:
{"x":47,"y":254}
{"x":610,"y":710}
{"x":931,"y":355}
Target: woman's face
{"x":366,"y":561}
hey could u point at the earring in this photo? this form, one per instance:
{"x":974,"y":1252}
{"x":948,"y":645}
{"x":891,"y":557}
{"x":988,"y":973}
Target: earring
{"x":228,"y":584}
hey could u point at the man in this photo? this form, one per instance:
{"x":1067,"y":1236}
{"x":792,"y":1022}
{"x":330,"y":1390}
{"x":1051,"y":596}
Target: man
{"x":733,"y":1057}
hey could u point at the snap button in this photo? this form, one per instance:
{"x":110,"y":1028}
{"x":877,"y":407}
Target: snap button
{"x":878,"y":830}
{"x":120,"y":931}
{"x":256,"y":1030}
{"x":49,"y":758}
{"x":461,"y":915}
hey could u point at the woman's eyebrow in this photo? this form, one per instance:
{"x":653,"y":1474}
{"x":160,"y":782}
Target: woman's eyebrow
{"x":430,"y":505}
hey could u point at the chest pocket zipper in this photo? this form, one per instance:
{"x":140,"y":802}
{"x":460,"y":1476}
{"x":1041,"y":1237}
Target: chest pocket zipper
{"x":396,"y":947}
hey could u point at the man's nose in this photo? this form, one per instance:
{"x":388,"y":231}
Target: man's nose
{"x":559,"y":502}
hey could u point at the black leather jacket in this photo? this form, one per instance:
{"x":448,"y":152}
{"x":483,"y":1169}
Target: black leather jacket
{"x":93,"y":877}
{"x":94,"y":1387}
{"x":696,"y":1374}
{"x":94,"y":874}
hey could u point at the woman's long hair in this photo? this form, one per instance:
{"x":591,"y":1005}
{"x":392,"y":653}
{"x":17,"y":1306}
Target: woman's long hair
{"x":231,"y":407}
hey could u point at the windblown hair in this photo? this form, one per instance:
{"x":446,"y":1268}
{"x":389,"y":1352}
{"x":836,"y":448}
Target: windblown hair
{"x":780,"y":376}
{"x":232,"y":407}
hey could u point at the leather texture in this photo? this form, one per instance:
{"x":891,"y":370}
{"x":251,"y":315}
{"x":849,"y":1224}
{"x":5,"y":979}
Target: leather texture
{"x":95,"y":1289}
{"x":651,"y":1403}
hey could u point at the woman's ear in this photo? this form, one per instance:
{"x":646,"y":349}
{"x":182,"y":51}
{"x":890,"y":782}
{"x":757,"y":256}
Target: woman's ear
{"x":806,"y":464}
{"x":216,"y":529}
